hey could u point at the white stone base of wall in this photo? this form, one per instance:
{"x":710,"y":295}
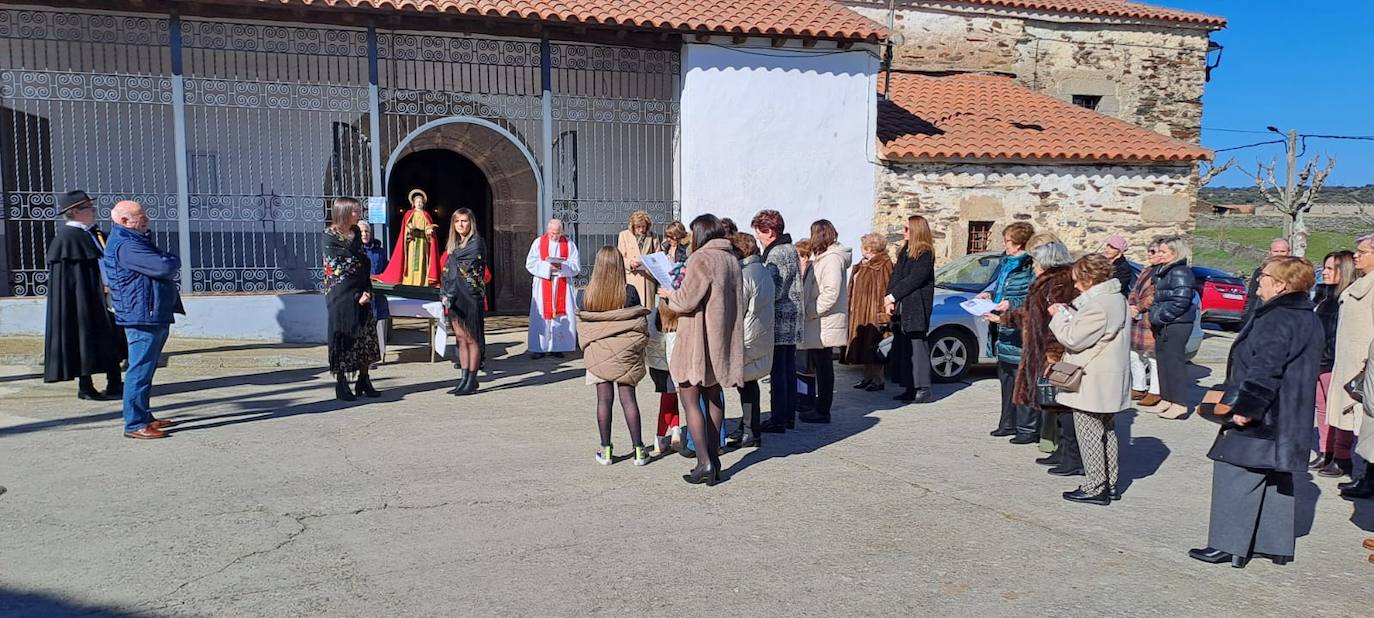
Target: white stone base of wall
{"x":276,"y":318}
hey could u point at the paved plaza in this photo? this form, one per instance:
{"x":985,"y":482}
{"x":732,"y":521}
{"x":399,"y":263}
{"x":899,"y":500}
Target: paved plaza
{"x":271,"y":499}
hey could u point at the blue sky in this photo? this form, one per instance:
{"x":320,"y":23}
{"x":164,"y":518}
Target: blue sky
{"x":1293,"y":65}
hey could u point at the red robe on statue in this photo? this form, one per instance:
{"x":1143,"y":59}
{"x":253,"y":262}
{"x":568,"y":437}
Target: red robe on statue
{"x":395,"y":269}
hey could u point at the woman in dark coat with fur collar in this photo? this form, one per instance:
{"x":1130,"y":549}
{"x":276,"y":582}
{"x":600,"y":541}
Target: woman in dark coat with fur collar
{"x":1053,"y":284}
{"x":1267,"y":433}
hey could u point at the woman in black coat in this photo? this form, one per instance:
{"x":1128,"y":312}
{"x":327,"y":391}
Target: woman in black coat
{"x":1271,"y":386}
{"x":1171,"y":318}
{"x":462,"y":290}
{"x":911,"y":294}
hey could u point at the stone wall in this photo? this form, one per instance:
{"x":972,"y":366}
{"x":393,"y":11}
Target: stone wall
{"x":1151,"y":75}
{"x":1083,"y":204}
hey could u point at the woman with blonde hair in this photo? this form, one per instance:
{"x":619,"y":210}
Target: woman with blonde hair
{"x":613,"y":334}
{"x":868,"y":313}
{"x":349,"y":297}
{"x":634,"y":242}
{"x":911,"y":298}
{"x":1333,"y":443}
{"x":462,"y":292}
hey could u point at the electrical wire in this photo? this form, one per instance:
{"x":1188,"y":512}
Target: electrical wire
{"x":1273,"y":141}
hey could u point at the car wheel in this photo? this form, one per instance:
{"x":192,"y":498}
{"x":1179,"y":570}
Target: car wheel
{"x":952,"y":352}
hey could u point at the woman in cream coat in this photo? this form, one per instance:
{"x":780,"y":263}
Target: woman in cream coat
{"x":758,"y":338}
{"x":825,"y":303}
{"x":1095,"y":338}
{"x":1354,"y":333}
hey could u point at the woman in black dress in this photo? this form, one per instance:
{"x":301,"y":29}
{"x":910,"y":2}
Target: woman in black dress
{"x":462,"y":291}
{"x":348,"y":297}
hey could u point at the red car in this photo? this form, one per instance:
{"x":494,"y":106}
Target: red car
{"x":1223,"y":296}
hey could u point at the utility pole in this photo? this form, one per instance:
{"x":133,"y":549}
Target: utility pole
{"x":1297,"y":234}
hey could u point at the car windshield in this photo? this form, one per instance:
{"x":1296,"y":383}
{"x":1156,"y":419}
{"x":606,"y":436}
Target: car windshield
{"x":970,"y":273}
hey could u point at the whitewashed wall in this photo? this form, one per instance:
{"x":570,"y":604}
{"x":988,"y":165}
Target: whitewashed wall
{"x":790,"y":129}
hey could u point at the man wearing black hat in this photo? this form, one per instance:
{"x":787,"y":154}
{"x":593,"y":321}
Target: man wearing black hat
{"x":81,"y":338}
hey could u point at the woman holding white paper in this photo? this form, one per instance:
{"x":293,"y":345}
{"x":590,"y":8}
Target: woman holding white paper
{"x":634,"y":242}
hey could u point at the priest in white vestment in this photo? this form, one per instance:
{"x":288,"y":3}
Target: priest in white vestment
{"x":553,"y":261}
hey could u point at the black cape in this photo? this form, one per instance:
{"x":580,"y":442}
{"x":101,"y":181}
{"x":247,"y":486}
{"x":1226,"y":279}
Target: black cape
{"x":352,"y":327}
{"x":81,"y":338}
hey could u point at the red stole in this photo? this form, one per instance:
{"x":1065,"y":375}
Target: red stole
{"x":554,"y":292}
{"x":395,"y":269}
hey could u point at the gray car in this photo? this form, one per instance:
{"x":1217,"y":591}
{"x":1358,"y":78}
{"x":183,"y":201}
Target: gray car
{"x":957,"y":340}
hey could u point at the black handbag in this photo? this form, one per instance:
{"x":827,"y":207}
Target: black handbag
{"x":1355,"y":387}
{"x":1046,"y":392}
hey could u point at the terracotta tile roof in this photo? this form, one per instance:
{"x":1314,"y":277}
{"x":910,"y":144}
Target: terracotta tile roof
{"x":822,"y":19}
{"x":1108,"y":8}
{"x":986,"y":117}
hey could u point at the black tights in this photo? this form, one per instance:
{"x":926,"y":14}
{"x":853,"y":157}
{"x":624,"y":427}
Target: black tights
{"x":628,"y":403}
{"x":705,"y":435}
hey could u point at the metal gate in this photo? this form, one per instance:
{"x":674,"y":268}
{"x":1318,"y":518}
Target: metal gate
{"x":236,"y":135}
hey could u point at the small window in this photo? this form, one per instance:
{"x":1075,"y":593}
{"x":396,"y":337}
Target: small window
{"x":979,"y":233}
{"x":1090,"y":101}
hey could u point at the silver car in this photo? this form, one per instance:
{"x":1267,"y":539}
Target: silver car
{"x":958,"y":340}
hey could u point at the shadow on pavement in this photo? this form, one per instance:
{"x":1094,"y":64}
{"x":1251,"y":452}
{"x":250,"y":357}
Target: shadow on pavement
{"x":16,"y":603}
{"x":1140,"y":457}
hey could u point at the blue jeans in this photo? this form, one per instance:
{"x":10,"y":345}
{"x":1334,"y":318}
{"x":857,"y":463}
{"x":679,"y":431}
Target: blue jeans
{"x":145,"y":348}
{"x":782,"y":395}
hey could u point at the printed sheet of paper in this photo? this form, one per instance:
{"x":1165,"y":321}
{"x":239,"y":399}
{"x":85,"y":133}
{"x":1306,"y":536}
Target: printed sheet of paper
{"x":978,"y":306}
{"x":660,"y":267}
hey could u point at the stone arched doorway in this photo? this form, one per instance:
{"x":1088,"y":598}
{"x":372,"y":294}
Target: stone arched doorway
{"x":512,"y":196}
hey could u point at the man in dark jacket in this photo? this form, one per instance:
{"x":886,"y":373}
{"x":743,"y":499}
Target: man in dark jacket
{"x":142,"y":280}
{"x":80,"y":338}
{"x":1115,"y":250}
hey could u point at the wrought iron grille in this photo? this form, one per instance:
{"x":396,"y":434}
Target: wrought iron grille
{"x":278,"y":121}
{"x":277,"y":126}
{"x":85,"y":103}
{"x":615,"y":112}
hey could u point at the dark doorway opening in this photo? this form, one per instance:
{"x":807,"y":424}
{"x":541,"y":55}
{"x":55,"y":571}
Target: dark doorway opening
{"x":451,"y":181}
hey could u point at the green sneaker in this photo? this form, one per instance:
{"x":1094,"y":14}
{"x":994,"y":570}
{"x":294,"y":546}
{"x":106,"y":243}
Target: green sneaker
{"x":603,"y":456}
{"x":641,"y":456}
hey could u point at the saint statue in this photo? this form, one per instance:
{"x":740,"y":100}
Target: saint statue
{"x":415,"y":259}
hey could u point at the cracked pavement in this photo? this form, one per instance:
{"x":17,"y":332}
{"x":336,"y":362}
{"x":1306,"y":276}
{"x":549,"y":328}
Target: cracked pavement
{"x":272,"y":499}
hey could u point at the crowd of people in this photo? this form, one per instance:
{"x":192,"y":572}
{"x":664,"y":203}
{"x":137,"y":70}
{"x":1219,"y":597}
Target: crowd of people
{"x":1078,"y":340}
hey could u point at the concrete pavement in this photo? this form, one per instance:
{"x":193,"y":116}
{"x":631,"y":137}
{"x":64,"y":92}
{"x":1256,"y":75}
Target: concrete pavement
{"x":272,"y":499}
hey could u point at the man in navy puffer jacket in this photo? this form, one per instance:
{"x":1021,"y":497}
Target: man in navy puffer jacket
{"x":143,"y":290}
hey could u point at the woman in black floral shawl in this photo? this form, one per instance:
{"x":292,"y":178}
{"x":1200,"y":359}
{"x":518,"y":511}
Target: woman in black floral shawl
{"x":462,"y":290}
{"x":348,"y":297}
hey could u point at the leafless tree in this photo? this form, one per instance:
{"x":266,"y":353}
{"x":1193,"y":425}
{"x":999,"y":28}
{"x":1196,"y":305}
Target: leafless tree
{"x":1296,"y":196}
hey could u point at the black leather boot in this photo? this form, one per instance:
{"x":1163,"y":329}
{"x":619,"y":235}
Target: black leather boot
{"x":114,"y":385}
{"x":462,"y":382}
{"x":341,"y":390}
{"x":1362,"y":490}
{"x":365,"y":386}
{"x":470,"y":386}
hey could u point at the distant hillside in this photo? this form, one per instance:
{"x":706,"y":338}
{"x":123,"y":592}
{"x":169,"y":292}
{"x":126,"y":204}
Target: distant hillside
{"x":1330,"y":195}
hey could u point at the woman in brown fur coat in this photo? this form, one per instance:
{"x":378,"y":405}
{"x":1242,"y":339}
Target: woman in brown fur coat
{"x":1053,"y":284}
{"x":868,"y":314}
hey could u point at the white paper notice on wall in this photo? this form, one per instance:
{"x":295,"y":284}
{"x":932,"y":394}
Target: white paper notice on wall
{"x":376,"y":210}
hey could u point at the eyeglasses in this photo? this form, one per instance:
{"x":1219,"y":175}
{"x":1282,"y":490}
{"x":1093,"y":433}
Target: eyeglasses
{"x":1362,"y":252}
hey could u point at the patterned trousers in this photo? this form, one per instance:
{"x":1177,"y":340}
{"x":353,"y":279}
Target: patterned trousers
{"x":1098,"y":447}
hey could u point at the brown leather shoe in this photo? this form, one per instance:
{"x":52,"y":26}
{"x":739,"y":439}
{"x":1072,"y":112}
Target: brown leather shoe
{"x":1369,"y":544}
{"x":1137,"y":395}
{"x":160,"y":424}
{"x":147,"y":433}
{"x":1150,"y":399}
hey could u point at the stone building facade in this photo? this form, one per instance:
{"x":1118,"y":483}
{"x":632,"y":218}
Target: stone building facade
{"x":973,"y":153}
{"x":1006,"y":110}
{"x":1144,"y":65}
{"x":1083,"y":204}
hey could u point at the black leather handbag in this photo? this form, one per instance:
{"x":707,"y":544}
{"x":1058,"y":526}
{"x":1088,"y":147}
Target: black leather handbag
{"x":1355,"y":387}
